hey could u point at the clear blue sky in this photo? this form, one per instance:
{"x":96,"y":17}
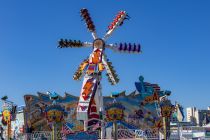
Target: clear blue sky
{"x":175,"y":38}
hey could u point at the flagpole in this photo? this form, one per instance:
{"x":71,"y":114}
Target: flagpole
{"x":115,"y":130}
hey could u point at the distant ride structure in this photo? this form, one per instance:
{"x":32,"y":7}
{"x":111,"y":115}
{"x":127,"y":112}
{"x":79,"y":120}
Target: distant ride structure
{"x":91,"y":101}
{"x":8,"y":114}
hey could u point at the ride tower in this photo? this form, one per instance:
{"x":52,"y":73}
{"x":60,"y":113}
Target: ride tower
{"x":91,"y":99}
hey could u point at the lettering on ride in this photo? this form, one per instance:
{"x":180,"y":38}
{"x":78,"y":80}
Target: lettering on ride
{"x":43,"y":134}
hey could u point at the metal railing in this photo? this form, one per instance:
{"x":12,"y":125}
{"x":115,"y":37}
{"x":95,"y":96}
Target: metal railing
{"x":38,"y":135}
{"x":122,"y":134}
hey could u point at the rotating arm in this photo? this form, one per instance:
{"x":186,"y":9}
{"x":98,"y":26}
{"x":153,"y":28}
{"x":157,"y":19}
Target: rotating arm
{"x":125,"y":47}
{"x":111,"y":73}
{"x":89,"y":23}
{"x":80,"y":71}
{"x":65,"y":43}
{"x":118,"y":21}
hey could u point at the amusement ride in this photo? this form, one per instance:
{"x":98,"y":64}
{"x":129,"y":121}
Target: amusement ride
{"x":91,"y":100}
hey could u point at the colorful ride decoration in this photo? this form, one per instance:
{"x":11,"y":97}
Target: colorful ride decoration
{"x":91,"y":100}
{"x":166,"y":112}
{"x":54,"y":114}
{"x":152,"y":98}
{"x":6,"y":120}
{"x":115,"y":112}
{"x":166,"y":108}
{"x":8,"y":114}
{"x":146,"y":117}
{"x":163,"y":106}
{"x":35,"y":115}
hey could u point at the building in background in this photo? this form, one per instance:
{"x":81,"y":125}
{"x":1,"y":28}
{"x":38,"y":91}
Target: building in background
{"x":199,"y":117}
{"x":191,"y":114}
{"x":202,"y":117}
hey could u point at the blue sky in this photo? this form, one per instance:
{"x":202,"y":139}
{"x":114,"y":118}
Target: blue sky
{"x":175,"y":39}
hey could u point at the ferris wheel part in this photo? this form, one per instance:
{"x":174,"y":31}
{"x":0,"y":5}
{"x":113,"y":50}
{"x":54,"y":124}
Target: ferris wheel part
{"x":89,"y":23}
{"x":125,"y":47}
{"x":111,"y":73}
{"x":118,"y":21}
